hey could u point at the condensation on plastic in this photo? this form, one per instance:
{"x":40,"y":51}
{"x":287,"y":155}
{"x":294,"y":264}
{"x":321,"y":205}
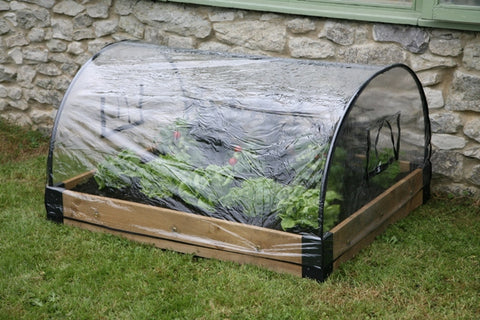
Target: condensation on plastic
{"x":235,"y":137}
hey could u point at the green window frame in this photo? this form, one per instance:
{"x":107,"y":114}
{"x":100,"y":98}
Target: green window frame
{"x":425,"y":13}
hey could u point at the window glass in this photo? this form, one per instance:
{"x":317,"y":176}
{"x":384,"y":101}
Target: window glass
{"x":461,"y":2}
{"x":383,"y":2}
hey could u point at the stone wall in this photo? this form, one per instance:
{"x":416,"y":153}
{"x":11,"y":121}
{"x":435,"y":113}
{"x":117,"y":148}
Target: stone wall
{"x":43,"y":43}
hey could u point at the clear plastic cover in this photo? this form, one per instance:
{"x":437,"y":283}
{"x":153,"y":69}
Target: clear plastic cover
{"x":239,"y":138}
{"x":383,"y":137}
{"x":281,"y":144}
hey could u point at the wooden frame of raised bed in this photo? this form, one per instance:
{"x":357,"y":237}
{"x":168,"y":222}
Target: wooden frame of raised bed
{"x":232,"y":241}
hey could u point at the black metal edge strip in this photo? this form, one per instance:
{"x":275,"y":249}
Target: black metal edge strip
{"x":317,"y":256}
{"x":54,"y":203}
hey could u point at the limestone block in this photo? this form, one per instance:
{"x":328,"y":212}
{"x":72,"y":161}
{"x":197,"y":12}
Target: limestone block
{"x":154,"y":35}
{"x":3,"y":91}
{"x":49,"y":83}
{"x":445,"y":122}
{"x":49,"y":69}
{"x":472,"y":152}
{"x":105,"y":27}
{"x":123,"y":7}
{"x":16,"y":40}
{"x":184,"y":21}
{"x":448,"y":142}
{"x":16,"y":55}
{"x":82,"y":34}
{"x":7,"y":74}
{"x":458,"y":189}
{"x":99,"y":10}
{"x":446,"y":47}
{"x":42,"y":3}
{"x":82,"y":21}
{"x":36,"y":35}
{"x":17,"y":6}
{"x":50,"y":97}
{"x":414,"y":39}
{"x":464,"y":93}
{"x":254,"y":35}
{"x":4,"y":58}
{"x":221,"y":15}
{"x":4,"y":27}
{"x":60,"y":57}
{"x":62,"y":29}
{"x":18,"y":104}
{"x":340,"y":33}
{"x":301,"y":25}
{"x":27,"y":19}
{"x":43,"y":17}
{"x":68,"y":7}
{"x":37,"y":54}
{"x":11,"y":17}
{"x":56,"y":45}
{"x":75,"y":48}
{"x":471,"y":56}
{"x":39,"y":116}
{"x":446,"y":34}
{"x":474,"y":175}
{"x":270,"y":16}
{"x":15,"y":93}
{"x":372,"y":54}
{"x":304,"y":47}
{"x":434,"y":98}
{"x":447,"y":163}
{"x":71,"y":68}
{"x":428,"y":61}
{"x":96,"y":45}
{"x":25,"y":75}
{"x":132,"y":26}
{"x":180,"y":42}
{"x":4,"y":6}
{"x":19,"y":118}
{"x":472,"y":129}
{"x":429,"y":78}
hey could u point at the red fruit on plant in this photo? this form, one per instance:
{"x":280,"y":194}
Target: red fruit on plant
{"x":237,"y":149}
{"x":176,"y":134}
{"x":232,"y":161}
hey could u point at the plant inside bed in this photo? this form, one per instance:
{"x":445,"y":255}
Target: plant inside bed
{"x":272,"y":186}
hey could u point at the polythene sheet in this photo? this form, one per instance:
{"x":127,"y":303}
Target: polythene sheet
{"x":235,"y":137}
{"x":226,"y":136}
{"x":384,"y":136}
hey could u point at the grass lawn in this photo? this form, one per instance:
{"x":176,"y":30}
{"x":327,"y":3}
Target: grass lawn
{"x":426,"y":266}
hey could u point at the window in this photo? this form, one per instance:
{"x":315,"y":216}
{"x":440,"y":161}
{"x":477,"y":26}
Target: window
{"x":457,"y":10}
{"x":455,"y":14}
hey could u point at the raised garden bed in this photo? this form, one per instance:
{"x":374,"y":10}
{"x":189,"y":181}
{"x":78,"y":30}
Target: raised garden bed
{"x":289,"y":164}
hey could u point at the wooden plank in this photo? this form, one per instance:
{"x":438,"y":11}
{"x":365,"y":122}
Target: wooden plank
{"x":73,"y":182}
{"x":181,"y":227}
{"x":274,"y":265}
{"x":361,"y":227}
{"x":416,"y":201}
{"x":405,"y":166}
